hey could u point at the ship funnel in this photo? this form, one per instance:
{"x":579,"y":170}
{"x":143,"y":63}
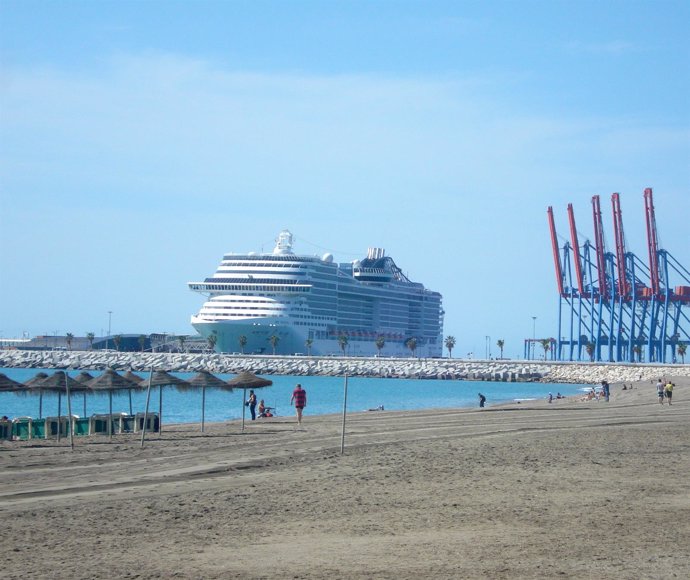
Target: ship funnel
{"x":283,"y":243}
{"x":375,"y":253}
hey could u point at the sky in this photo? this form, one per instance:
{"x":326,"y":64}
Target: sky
{"x":140,"y":141}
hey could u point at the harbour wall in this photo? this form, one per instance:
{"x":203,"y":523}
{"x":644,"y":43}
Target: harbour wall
{"x":407,"y":368}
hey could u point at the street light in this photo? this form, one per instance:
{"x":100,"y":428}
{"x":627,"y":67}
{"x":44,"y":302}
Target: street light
{"x":488,"y":347}
{"x":534,"y":333}
{"x":110,"y":318}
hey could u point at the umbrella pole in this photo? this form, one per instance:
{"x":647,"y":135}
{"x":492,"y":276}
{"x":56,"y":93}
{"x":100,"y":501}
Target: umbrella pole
{"x":110,"y":415}
{"x":40,"y":403}
{"x":59,"y":413}
{"x":203,"y":406}
{"x":69,"y":415}
{"x":244,"y":398}
{"x":160,"y":410}
{"x":146,"y":410}
{"x":342,"y":439}
{"x":130,"y":401}
{"x":84,"y":404}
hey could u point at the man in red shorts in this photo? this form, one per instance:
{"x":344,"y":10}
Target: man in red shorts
{"x":299,"y":397}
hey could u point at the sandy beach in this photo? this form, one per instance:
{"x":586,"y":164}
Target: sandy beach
{"x":571,"y":489}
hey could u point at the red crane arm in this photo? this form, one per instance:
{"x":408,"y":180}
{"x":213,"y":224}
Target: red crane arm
{"x":652,"y":240}
{"x":556,"y":257}
{"x":599,"y":240}
{"x":576,"y":249}
{"x":623,"y":284}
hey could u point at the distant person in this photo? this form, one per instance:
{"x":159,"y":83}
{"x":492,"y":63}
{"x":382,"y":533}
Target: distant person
{"x":605,"y":390}
{"x":660,"y":392}
{"x":482,"y":400}
{"x":668,"y":391}
{"x":550,"y":397}
{"x":252,"y":404}
{"x":299,"y":398}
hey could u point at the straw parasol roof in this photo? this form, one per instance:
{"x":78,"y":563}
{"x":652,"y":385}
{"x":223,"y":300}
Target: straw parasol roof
{"x":247,"y":380}
{"x":83,"y":377}
{"x":36,"y":380}
{"x":56,"y":383}
{"x":109,"y":380}
{"x":207,"y":380}
{"x":7,"y":384}
{"x":165,"y":379}
{"x":130,"y":376}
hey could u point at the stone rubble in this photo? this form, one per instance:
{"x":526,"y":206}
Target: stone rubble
{"x":411,"y":368}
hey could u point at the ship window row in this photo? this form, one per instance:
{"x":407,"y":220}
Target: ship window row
{"x":249,"y":286}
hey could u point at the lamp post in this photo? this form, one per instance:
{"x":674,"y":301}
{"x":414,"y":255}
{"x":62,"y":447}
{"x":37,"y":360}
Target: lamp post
{"x":534,"y":333}
{"x":110,"y":318}
{"x":488,"y":347}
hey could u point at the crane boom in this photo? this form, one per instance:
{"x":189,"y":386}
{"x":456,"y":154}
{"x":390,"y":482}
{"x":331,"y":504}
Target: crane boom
{"x":556,"y":256}
{"x":576,"y":250}
{"x":652,"y":242}
{"x":623,"y":283}
{"x":599,"y":241}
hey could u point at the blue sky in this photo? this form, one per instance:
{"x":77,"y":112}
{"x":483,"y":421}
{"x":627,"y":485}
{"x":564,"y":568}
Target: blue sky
{"x":139,"y":141}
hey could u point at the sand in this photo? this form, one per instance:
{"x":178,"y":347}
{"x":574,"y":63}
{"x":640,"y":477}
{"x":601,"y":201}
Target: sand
{"x":570,"y":489}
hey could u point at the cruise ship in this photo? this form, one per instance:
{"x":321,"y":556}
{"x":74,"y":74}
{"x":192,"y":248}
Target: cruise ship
{"x":285,"y":303}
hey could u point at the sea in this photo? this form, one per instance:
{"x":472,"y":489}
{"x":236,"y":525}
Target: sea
{"x":324,"y":396}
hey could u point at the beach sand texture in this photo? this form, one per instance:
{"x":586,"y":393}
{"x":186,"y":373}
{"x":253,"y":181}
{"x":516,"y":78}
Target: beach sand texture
{"x":570,"y":489}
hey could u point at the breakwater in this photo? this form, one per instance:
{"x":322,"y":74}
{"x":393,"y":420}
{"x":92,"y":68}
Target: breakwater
{"x":408,"y":368}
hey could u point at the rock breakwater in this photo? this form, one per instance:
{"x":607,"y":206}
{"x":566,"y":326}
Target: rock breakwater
{"x":408,"y":368}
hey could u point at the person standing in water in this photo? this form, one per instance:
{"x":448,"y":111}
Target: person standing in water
{"x":299,"y":398}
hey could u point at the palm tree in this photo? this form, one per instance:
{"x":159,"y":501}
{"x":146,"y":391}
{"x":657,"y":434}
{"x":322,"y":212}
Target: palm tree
{"x":181,"y":339}
{"x":682,"y":349}
{"x":142,"y":342}
{"x":308,"y":344}
{"x":500,"y":344}
{"x":90,"y":336}
{"x":546,"y":345}
{"x":117,"y":339}
{"x":411,"y":343}
{"x":450,"y":345}
{"x":212,"y":339}
{"x":69,"y":337}
{"x":243,"y":342}
{"x":274,"y":340}
{"x":589,"y":348}
{"x":342,"y":341}
{"x":637,"y":349}
{"x":380,"y":343}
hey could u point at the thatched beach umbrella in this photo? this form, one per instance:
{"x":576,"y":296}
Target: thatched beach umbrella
{"x":83,"y":378}
{"x":110,"y":381}
{"x":162,"y":379}
{"x":9,"y":385}
{"x":130,"y":376}
{"x":246,"y":380}
{"x":206,"y":380}
{"x":31,"y":383}
{"x":60,"y":382}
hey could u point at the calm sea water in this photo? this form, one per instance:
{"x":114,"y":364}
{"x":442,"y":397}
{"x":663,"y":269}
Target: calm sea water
{"x":325,"y":395}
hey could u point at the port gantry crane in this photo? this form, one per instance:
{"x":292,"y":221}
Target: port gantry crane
{"x":616,"y":307}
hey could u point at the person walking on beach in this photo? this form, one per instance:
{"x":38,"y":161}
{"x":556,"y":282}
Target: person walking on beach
{"x":482,"y":400}
{"x":660,"y":391}
{"x":668,"y":391}
{"x":606,"y":390}
{"x":299,"y":398}
{"x":252,"y":404}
